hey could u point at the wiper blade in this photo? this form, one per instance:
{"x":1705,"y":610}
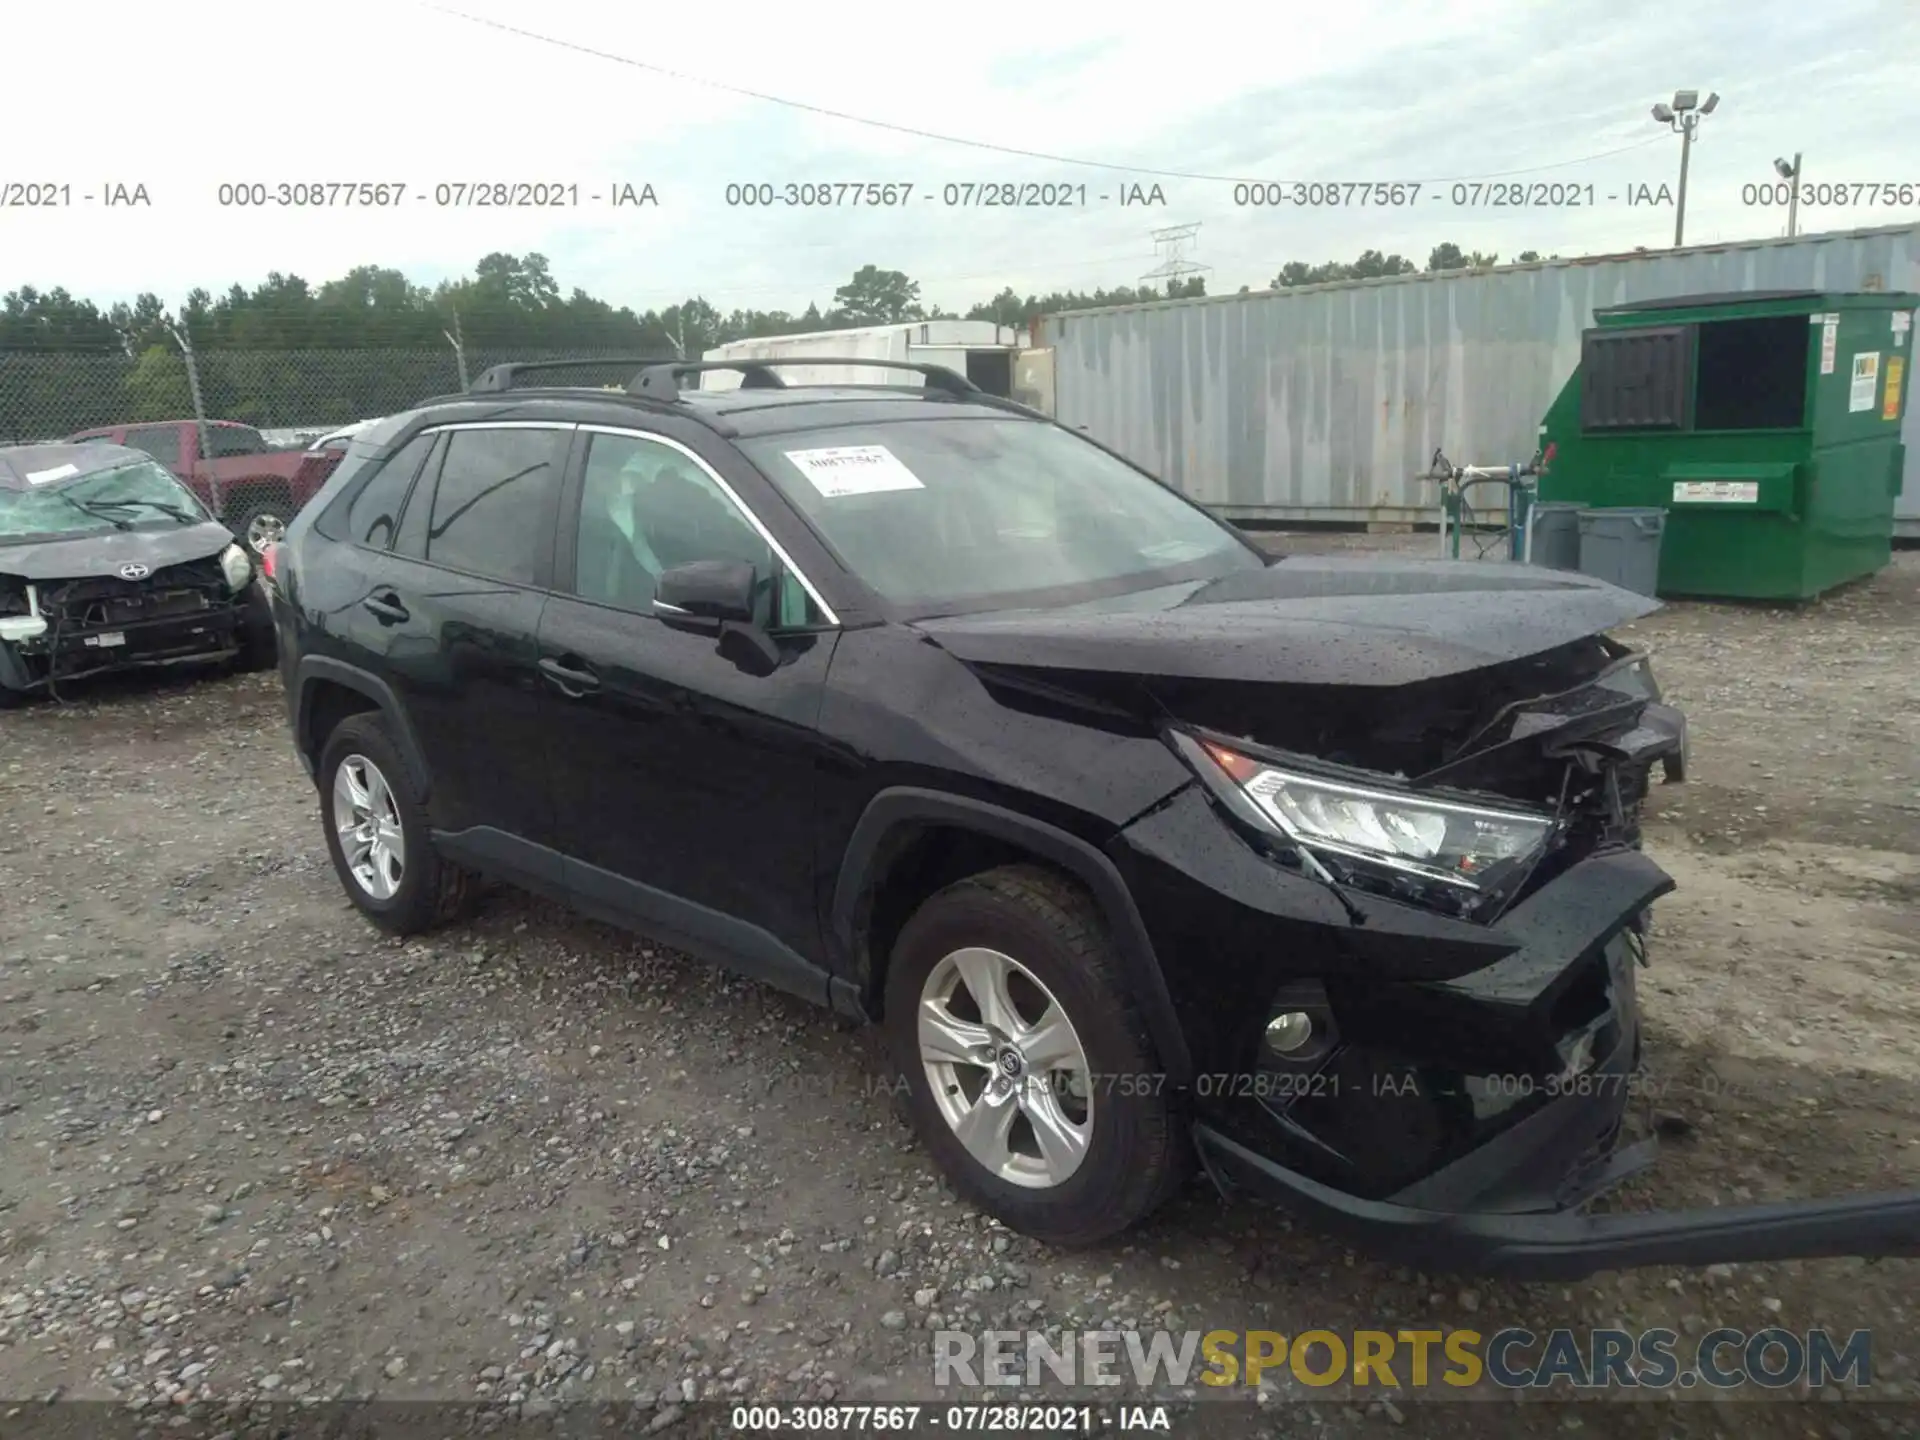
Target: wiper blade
{"x":96,"y":510}
{"x":184,"y":517}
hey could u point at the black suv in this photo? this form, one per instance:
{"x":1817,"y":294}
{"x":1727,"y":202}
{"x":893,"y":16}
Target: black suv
{"x":1140,"y":844}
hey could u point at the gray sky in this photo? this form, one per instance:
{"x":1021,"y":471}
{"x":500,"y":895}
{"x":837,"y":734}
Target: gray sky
{"x":1429,"y":91}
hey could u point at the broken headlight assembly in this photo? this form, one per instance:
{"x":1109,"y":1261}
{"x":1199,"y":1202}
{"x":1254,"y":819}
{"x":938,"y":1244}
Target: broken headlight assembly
{"x":236,"y":567}
{"x":20,"y":617}
{"x":1446,"y":853}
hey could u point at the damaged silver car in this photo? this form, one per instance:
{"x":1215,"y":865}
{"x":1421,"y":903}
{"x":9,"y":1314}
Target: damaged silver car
{"x":107,"y":562}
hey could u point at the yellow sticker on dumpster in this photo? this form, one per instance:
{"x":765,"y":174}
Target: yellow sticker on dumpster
{"x":1890,"y":407}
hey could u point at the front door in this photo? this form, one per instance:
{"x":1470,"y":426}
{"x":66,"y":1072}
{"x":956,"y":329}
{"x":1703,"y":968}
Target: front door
{"x":682,"y":783}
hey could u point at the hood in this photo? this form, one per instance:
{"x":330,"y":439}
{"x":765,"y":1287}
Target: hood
{"x":84,"y":556}
{"x":1308,"y":620}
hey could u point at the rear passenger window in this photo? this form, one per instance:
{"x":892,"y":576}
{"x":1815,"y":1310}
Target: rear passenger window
{"x":162,"y":442}
{"x":491,"y":509}
{"x":375,"y":512}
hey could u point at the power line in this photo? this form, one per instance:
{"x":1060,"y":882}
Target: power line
{"x":971,"y":144}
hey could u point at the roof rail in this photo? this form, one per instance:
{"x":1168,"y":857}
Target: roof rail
{"x":662,"y":381}
{"x":506,"y":377}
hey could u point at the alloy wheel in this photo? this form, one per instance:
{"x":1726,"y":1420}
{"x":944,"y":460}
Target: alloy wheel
{"x":264,"y":530}
{"x":367,"y":817}
{"x":1006,"y":1066}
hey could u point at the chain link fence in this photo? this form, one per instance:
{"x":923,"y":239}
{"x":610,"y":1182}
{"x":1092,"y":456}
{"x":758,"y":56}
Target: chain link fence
{"x":291,"y":396}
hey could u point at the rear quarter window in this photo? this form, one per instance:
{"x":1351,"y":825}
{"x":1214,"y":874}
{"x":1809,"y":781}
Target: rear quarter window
{"x":362,"y":454}
{"x":373,"y":510}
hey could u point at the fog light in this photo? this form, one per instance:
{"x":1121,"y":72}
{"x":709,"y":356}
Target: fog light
{"x":1287,"y":1033}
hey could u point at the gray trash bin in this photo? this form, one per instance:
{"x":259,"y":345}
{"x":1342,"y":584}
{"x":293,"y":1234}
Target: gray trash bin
{"x":1622,"y":545}
{"x":1554,"y":534}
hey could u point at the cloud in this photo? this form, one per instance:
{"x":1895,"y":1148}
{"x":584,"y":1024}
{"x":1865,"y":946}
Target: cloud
{"x":1370,"y":90}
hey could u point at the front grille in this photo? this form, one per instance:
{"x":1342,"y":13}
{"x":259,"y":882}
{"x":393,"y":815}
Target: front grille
{"x":131,"y":609}
{"x":171,"y":592}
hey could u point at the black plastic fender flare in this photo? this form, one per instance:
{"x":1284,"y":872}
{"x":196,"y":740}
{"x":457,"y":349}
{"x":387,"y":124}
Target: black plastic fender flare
{"x":314,"y":668}
{"x":909,"y":806}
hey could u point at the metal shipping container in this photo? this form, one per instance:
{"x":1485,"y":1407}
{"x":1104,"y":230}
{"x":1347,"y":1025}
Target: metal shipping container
{"x":978,"y":349}
{"x":1323,"y":403}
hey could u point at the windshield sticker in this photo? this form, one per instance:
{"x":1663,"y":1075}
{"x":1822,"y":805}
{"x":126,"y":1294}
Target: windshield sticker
{"x":854,"y":470}
{"x":47,"y":477}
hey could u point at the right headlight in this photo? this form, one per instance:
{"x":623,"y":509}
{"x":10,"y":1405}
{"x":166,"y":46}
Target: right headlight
{"x":1456,"y":844}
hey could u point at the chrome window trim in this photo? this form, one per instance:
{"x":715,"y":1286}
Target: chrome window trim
{"x":833,"y":620}
{"x":496,"y":425}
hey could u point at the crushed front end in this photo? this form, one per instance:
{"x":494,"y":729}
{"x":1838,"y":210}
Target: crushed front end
{"x":1402,"y":928}
{"x":53,"y":630}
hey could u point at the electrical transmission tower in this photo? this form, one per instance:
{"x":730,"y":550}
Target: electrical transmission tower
{"x":1172,"y":244}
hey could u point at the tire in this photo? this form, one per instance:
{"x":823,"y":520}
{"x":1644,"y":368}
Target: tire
{"x":1132,"y":1141}
{"x":259,"y":646}
{"x":429,"y":891}
{"x":267,"y":513}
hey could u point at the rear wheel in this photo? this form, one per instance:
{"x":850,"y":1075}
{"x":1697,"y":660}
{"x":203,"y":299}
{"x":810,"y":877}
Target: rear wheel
{"x":377,"y":832}
{"x":259,"y":521}
{"x":1030,"y":1073}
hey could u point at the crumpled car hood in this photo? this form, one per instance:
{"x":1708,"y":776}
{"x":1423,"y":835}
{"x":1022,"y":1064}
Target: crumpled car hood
{"x":1308,"y":620}
{"x":86,"y":556}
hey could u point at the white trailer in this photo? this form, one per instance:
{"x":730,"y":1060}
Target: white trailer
{"x":978,"y":349}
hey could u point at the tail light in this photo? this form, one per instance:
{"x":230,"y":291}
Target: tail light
{"x":270,"y":562}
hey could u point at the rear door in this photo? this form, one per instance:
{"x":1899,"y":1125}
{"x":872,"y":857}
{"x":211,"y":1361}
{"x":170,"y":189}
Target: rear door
{"x":451,"y":610}
{"x":683,"y":781}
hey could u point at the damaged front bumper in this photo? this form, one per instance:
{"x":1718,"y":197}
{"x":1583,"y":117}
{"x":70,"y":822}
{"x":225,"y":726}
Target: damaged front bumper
{"x":1446,"y":1094}
{"x":72,"y":630}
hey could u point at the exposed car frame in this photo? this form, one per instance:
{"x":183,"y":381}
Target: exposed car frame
{"x":143,"y":591}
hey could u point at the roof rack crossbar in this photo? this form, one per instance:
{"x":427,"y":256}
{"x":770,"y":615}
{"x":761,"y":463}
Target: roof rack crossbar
{"x":663,"y":380}
{"x":507,"y":377}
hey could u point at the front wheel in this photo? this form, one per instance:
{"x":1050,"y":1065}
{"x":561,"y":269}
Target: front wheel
{"x":1030,"y":1073}
{"x":257,"y":644}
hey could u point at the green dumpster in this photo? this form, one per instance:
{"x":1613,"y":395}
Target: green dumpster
{"x":1765,"y":423}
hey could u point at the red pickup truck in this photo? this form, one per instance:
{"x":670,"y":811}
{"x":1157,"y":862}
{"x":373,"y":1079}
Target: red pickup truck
{"x":251,"y":487}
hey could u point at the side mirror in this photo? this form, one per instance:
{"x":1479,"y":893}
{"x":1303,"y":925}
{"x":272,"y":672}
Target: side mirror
{"x":704,"y":595}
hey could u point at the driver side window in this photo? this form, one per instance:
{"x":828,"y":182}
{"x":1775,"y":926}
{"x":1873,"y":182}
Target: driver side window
{"x":646,"y":507}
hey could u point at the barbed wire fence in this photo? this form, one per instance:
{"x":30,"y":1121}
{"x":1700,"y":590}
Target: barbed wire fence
{"x":291,"y":396}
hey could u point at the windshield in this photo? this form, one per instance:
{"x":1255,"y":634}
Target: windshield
{"x":951,"y":516}
{"x":139,"y":492}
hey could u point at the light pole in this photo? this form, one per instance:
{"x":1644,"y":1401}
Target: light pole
{"x":1683,"y":118}
{"x":1791,"y":174}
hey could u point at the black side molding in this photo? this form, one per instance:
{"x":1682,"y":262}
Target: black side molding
{"x":911,"y":807}
{"x":315,"y":668}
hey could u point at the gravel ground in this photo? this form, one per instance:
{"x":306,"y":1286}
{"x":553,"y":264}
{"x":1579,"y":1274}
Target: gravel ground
{"x":252,"y":1150}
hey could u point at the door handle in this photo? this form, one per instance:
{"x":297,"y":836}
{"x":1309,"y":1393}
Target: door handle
{"x":386,"y":605}
{"x":572,"y":680}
